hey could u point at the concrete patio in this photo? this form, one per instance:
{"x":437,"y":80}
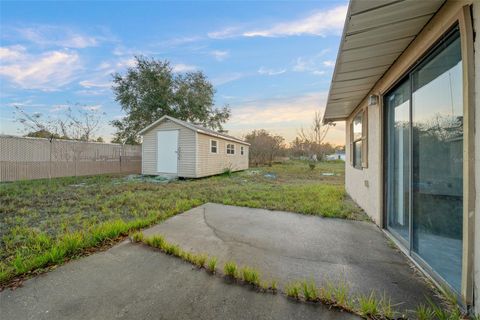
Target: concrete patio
{"x":133,"y":281}
{"x":289,"y":247}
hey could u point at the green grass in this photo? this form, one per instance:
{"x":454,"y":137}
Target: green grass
{"x":45,"y":222}
{"x":368,"y":305}
{"x":250,"y":275}
{"x":309,"y":290}
{"x":212,"y":264}
{"x":230,"y":269}
{"x":293,"y":289}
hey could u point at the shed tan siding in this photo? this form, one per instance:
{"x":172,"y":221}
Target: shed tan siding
{"x":214,"y":163}
{"x":186,"y":145}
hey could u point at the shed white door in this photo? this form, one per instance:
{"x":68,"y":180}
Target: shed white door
{"x":167,"y":151}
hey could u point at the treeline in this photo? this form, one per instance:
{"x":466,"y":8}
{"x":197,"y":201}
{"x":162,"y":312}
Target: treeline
{"x":266,"y":148}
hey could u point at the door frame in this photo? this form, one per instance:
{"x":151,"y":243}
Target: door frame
{"x":463,"y":18}
{"x":178,"y":150}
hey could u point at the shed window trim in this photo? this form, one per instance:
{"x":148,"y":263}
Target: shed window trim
{"x":230,"y":148}
{"x":359,"y":140}
{"x":213,"y":146}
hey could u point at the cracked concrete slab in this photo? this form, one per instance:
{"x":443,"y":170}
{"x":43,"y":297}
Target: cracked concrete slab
{"x":133,"y":281}
{"x":288,"y":247}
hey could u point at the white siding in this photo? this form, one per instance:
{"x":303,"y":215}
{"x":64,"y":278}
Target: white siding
{"x":186,"y":144}
{"x":214,"y":163}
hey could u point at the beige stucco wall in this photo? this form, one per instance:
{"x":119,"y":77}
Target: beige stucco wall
{"x":210,"y":163}
{"x":186,"y":143}
{"x":363,"y":185}
{"x":476,"y":27}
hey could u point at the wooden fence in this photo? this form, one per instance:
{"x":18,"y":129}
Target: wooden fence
{"x":36,"y":158}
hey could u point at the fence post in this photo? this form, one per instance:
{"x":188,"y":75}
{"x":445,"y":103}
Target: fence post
{"x":75,"y":158}
{"x":50,"y":160}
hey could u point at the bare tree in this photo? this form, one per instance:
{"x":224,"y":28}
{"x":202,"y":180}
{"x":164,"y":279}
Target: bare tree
{"x":311,"y":140}
{"x":78,"y":123}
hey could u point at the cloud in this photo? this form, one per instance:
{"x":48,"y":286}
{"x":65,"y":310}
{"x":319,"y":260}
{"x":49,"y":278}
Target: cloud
{"x":329,"y":63}
{"x":59,"y":36}
{"x":319,"y":23}
{"x":94,"y":84}
{"x":225,"y":33}
{"x":175,"y":42}
{"x":219,"y":55}
{"x":181,"y":67}
{"x":312,"y":64}
{"x":271,"y":72}
{"x":46,"y":71}
{"x":92,"y":107}
{"x":226,"y":78}
{"x":59,"y":107}
{"x":282,"y":115}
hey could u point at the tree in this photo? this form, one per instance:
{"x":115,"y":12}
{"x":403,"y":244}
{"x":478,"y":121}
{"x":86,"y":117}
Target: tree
{"x":151,"y":89}
{"x":77,"y":122}
{"x":264,"y":146}
{"x":310,"y":142}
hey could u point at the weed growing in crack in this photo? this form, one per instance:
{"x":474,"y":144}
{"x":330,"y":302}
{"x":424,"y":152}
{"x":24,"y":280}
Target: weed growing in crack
{"x":386,"y":308}
{"x":309,"y":289}
{"x":250,"y":275}
{"x":422,"y":312}
{"x":230,"y":269}
{"x":200,"y":260}
{"x":137,"y":236}
{"x":293,"y":290}
{"x":212,"y":264}
{"x":368,"y":305}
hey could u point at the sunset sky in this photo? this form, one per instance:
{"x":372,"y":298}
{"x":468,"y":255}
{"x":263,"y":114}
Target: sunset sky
{"x":272,"y":62}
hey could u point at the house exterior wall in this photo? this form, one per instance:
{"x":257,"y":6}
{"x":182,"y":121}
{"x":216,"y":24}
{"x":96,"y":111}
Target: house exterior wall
{"x":186,"y":144}
{"x":476,"y":276}
{"x":363,"y":185}
{"x":366,"y":186}
{"x":214,"y":163}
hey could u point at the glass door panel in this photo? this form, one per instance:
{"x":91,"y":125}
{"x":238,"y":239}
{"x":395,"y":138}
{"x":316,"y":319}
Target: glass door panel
{"x":437,"y":160}
{"x":398,"y":160}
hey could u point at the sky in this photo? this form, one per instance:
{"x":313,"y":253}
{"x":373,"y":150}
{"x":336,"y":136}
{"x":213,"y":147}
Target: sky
{"x":270,"y":61}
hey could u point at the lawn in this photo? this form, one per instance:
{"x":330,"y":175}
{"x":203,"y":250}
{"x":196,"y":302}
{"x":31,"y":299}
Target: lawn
{"x":44,"y":222}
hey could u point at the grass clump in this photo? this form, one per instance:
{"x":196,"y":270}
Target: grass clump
{"x":230,"y":269}
{"x":137,"y":236}
{"x":309,"y":290}
{"x":422,"y":312}
{"x":292,"y":290}
{"x":368,"y":305}
{"x":212,"y":264}
{"x":200,"y":260}
{"x":385,"y":307}
{"x":250,"y":275}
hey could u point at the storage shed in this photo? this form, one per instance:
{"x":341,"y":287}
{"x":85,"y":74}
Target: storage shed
{"x":179,"y":148}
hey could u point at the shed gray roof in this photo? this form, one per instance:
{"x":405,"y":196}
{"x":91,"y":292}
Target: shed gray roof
{"x":375,"y":34}
{"x":196,"y":128}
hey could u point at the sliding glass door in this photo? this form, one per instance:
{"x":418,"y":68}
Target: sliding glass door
{"x":424,"y":161}
{"x":397,"y":103}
